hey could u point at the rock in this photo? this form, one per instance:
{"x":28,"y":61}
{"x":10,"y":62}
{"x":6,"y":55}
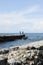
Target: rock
{"x":3,"y":61}
{"x":35,"y":57}
{"x":0,"y":51}
{"x":11,"y":61}
{"x":27,"y":58}
{"x":36,"y":61}
{"x":4,"y":51}
{"x":31,"y":58}
{"x":40,"y":48}
{"x":39,"y":63}
{"x":14,"y":48}
{"x":33,"y":48}
{"x":28,"y":48}
{"x":18,"y":62}
{"x":24,"y":61}
{"x":40,"y":55}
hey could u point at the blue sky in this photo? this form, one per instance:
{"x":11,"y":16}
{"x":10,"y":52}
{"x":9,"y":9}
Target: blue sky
{"x":21,"y":15}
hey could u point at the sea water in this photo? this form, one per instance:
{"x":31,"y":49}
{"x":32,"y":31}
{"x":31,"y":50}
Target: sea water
{"x":32,"y":37}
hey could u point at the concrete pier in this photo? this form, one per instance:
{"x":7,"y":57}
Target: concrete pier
{"x":11,"y":38}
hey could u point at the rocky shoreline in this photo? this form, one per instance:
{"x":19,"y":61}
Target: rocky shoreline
{"x":29,"y":54}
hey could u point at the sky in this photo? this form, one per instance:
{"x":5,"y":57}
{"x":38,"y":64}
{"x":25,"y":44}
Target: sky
{"x":21,"y":15}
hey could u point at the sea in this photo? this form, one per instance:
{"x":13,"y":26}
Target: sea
{"x":32,"y":37}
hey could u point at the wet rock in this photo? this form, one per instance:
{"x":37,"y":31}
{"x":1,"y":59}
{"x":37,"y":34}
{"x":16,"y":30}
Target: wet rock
{"x":5,"y":51}
{"x":14,"y":48}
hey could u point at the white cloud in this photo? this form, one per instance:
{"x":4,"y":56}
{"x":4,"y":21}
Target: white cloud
{"x":13,"y":21}
{"x":29,"y":10}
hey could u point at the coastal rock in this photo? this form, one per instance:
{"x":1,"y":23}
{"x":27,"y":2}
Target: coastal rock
{"x":4,"y":51}
{"x":40,"y":48}
{"x":18,"y":62}
{"x":3,"y":60}
{"x":33,"y":48}
{"x":15,"y":48}
{"x":11,"y":61}
{"x":40,"y":55}
{"x":22,"y":55}
{"x":28,"y":48}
